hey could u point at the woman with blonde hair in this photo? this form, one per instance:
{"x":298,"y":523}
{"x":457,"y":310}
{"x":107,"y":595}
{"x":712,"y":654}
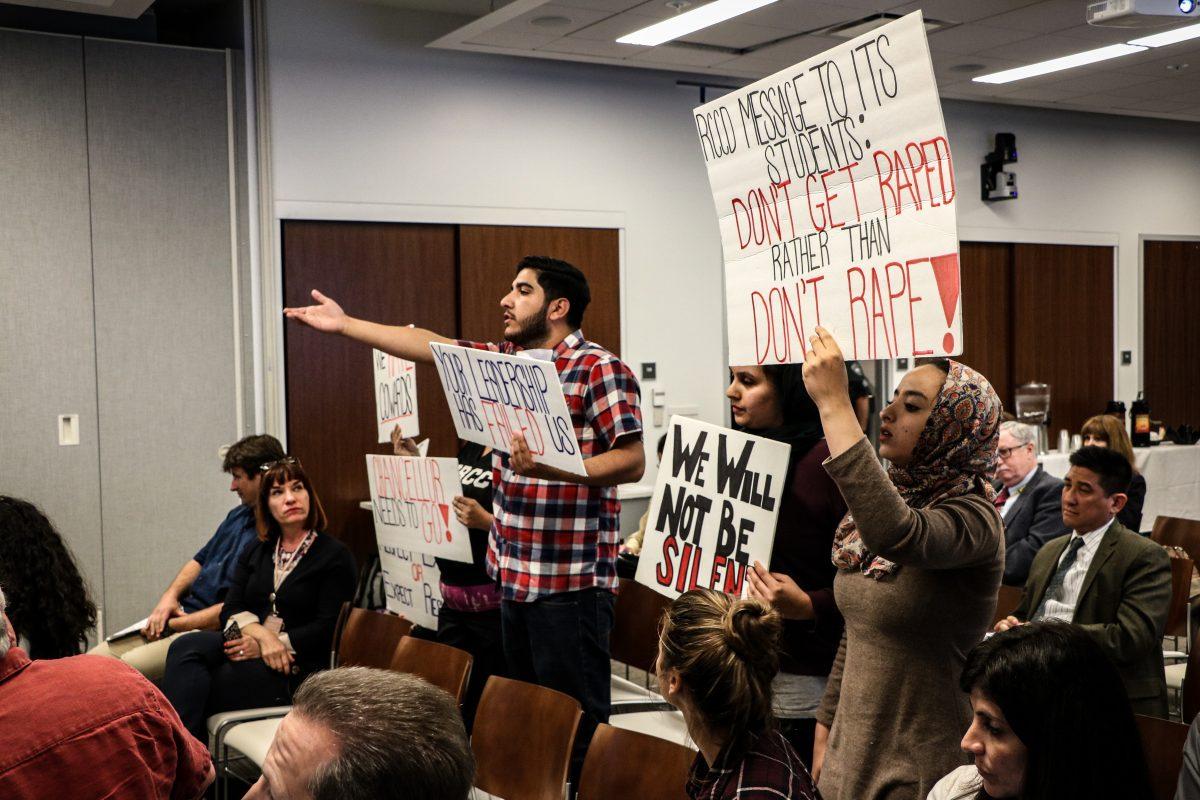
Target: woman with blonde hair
{"x":717,"y":656}
{"x":1105,"y":430}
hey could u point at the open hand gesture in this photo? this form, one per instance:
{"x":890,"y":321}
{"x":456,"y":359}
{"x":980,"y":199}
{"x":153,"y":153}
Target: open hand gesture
{"x":326,"y":316}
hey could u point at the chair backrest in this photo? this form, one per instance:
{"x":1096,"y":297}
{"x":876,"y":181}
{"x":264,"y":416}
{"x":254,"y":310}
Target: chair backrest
{"x":634,"y":637}
{"x":1191,"y":686}
{"x":522,"y":740}
{"x":1178,"y":532}
{"x":622,"y":763}
{"x":1007,"y":600}
{"x":1181,"y":590}
{"x":1162,"y":742}
{"x":367,"y":638}
{"x":444,"y":666}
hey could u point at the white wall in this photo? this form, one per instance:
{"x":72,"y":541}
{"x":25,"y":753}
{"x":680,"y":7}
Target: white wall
{"x":362,"y":113}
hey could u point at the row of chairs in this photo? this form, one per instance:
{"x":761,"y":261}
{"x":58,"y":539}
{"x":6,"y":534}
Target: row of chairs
{"x":523,"y":734}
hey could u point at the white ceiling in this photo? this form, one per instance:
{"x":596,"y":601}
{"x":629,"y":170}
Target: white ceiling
{"x":983,"y":36}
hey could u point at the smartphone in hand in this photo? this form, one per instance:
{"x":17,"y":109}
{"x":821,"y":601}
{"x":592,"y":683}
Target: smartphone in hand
{"x":234,"y":631}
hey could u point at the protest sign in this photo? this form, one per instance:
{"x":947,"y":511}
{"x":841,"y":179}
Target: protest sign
{"x":834,"y":188}
{"x":714,"y":509}
{"x":410,"y":585}
{"x":395,"y":395}
{"x":493,"y":396}
{"x":410,"y":499}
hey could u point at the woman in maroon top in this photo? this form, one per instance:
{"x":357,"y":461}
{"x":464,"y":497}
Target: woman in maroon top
{"x":717,"y":656}
{"x":772,"y":402}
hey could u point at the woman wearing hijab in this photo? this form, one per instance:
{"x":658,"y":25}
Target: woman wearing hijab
{"x":771,"y":402}
{"x":919,"y":557}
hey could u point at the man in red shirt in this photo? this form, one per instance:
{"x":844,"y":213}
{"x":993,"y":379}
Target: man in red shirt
{"x":91,"y":728}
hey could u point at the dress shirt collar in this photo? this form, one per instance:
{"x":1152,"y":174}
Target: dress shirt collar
{"x":1013,"y":491}
{"x":1089,"y":538}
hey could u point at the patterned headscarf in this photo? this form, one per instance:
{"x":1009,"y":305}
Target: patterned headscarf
{"x":953,"y":457}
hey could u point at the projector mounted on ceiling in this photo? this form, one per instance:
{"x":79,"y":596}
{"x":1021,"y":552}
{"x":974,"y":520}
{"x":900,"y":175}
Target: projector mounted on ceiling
{"x":1139,"y":13}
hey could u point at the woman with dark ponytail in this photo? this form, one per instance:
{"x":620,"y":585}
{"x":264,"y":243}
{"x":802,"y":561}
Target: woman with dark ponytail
{"x":48,"y":601}
{"x":717,"y":656}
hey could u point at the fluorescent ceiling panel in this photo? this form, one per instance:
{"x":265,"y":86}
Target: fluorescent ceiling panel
{"x":1058,"y":64}
{"x":1170,"y":37}
{"x":692,"y":21}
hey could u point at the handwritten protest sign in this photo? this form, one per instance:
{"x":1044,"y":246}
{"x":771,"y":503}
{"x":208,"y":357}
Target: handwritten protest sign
{"x":834,"y":187}
{"x":493,"y":396}
{"x":395,"y":395}
{"x":410,"y":498}
{"x":714,"y":509}
{"x":410,"y":585}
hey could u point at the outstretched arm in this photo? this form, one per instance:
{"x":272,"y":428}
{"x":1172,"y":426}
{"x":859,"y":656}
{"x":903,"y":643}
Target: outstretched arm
{"x":404,"y":342}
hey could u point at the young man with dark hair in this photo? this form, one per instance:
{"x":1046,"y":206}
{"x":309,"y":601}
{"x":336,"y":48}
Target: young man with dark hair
{"x":553,"y":545}
{"x":193,"y":600}
{"x":1103,"y":577}
{"x":368,"y":734}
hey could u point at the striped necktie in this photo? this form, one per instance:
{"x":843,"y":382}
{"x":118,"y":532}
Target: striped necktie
{"x":1054,"y":588}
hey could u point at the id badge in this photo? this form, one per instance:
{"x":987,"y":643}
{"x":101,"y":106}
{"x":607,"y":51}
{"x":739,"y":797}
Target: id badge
{"x":274,"y":624}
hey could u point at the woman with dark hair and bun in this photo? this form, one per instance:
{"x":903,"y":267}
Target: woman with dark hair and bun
{"x":717,"y":656}
{"x":1051,"y":721}
{"x":48,"y":600}
{"x":919,"y":556}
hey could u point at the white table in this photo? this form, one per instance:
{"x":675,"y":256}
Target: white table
{"x":1172,"y":475}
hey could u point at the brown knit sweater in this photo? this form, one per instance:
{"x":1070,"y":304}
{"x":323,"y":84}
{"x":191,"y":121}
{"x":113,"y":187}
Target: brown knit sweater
{"x":893,"y":702}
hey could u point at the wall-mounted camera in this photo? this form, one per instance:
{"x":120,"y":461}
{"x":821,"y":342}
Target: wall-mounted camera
{"x":995,"y":182}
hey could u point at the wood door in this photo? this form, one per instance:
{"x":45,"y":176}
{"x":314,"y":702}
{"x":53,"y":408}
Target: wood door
{"x":383,"y":272}
{"x":1171,"y":330}
{"x":488,"y":255}
{"x":1063,"y":327}
{"x":987,"y":313}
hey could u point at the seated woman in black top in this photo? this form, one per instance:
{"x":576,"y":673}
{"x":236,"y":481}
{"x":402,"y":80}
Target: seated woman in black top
{"x":285,"y":598}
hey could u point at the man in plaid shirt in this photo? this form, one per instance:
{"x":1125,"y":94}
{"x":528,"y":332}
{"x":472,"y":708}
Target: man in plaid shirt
{"x":553,"y":546}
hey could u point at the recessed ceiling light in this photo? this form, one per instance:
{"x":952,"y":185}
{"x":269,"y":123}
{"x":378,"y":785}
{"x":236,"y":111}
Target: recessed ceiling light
{"x":1170,"y":37}
{"x":1057,"y":64}
{"x":968,"y":67}
{"x":1176,"y":67}
{"x":550,"y":21}
{"x":697,"y":19}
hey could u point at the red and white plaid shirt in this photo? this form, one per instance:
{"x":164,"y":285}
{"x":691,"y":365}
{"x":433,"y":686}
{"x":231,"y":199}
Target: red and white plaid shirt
{"x":551,"y":537}
{"x":769,"y":769}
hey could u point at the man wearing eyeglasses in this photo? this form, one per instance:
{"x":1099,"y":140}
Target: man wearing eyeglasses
{"x":1028,"y":498}
{"x":193,"y":600}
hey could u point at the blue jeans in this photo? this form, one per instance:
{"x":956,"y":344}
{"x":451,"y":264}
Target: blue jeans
{"x":561,"y":642}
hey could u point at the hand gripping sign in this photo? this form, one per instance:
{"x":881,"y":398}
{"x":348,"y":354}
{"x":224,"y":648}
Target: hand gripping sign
{"x":411,"y":502}
{"x":834,"y":189}
{"x":714,"y":509}
{"x":493,"y":396}
{"x":395,"y":395}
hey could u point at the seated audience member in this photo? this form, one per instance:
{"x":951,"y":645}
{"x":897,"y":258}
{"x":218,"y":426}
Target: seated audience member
{"x":1050,"y":721}
{"x":88,"y":728}
{"x":1107,"y":431}
{"x":48,"y":601}
{"x":279,"y":615}
{"x":1188,"y":787}
{"x":193,"y":600}
{"x":366,"y":734}
{"x":1028,"y":498}
{"x":717,"y":657}
{"x":634,"y":543}
{"x":1106,"y":579}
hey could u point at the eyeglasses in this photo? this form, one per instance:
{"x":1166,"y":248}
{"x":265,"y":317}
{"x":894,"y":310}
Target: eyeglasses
{"x":286,"y":461}
{"x":1005,"y":452}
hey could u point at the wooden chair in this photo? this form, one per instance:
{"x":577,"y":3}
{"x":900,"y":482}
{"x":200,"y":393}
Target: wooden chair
{"x":366,"y":638}
{"x":1178,"y":532}
{"x":1179,"y":615}
{"x":443,"y":666}
{"x":522,"y":740}
{"x":1185,"y":679}
{"x":623,"y":763}
{"x":634,"y":639}
{"x":1162,"y":742}
{"x":1007,"y":600}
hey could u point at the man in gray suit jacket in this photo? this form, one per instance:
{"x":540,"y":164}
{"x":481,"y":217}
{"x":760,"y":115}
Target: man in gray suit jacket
{"x":1028,"y":498}
{"x":1103,"y":577}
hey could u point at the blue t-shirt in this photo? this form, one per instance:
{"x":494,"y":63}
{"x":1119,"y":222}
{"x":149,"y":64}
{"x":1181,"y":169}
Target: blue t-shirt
{"x":218,"y":559}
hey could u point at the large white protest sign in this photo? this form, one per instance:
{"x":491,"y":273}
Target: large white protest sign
{"x":714,"y":508}
{"x":411,"y":585}
{"x":410,"y":499}
{"x":493,"y":396}
{"x":395,"y":395}
{"x":835,"y":191}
